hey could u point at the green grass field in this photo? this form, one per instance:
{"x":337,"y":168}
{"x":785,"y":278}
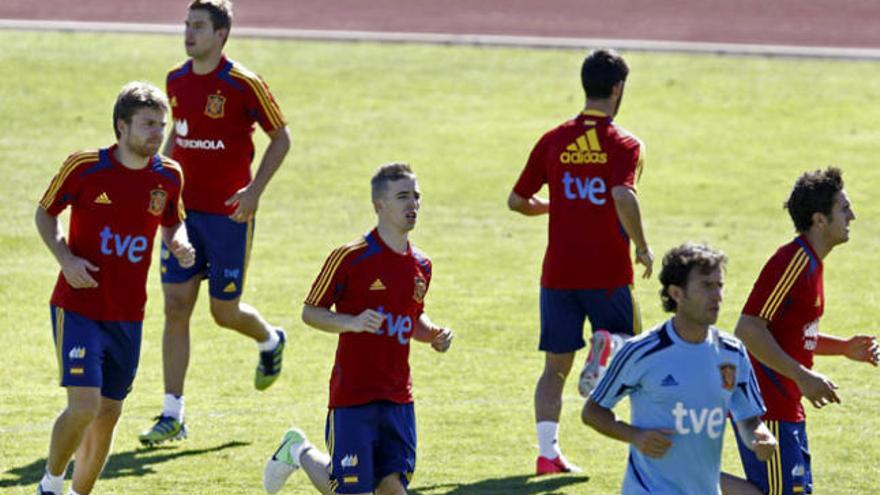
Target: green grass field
{"x":726,"y":137}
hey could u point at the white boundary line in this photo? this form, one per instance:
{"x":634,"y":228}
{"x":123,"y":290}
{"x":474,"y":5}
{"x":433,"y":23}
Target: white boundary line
{"x":467,"y":39}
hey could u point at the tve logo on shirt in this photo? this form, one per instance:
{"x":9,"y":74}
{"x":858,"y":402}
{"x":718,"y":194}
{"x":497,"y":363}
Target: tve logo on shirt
{"x":123,"y":246}
{"x":399,"y":327}
{"x":591,"y":188}
{"x":696,"y":421}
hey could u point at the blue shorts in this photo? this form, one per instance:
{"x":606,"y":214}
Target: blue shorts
{"x":369,"y":442}
{"x":563,"y":312}
{"x":788,"y":472}
{"x":222,"y":251}
{"x":99,"y":354}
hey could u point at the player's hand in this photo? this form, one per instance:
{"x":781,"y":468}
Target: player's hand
{"x":863,"y":348}
{"x":369,"y":321}
{"x":763,"y":445}
{"x":246,"y":201}
{"x":645,"y":257}
{"x":442,"y":339}
{"x":76,"y":272}
{"x":817,"y":388}
{"x":184,"y":252}
{"x":653,"y":443}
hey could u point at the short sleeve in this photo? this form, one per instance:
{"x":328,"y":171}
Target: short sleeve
{"x":64,"y":187}
{"x":330,"y":280}
{"x":746,"y":401}
{"x":622,"y":378}
{"x":628,"y":169}
{"x":261,"y":104}
{"x":534,"y":175}
{"x":774,"y":283}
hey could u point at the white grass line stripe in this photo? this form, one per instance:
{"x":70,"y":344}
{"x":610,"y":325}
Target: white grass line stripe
{"x":467,"y":39}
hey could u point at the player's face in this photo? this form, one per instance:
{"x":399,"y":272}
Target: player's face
{"x":200,"y":38}
{"x":399,"y":206}
{"x":701,"y":301}
{"x":841,"y":215}
{"x":144,"y":135}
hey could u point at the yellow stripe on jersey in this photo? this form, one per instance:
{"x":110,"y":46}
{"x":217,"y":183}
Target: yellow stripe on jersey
{"x":270,"y":107}
{"x":73,"y":161}
{"x":169,"y":163}
{"x":329,"y":271}
{"x":789,"y":276}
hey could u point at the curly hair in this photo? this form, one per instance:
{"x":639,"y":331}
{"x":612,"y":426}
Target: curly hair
{"x":813,"y":192}
{"x":677,"y":266}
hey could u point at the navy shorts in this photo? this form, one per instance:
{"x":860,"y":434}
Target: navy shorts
{"x":369,"y":442}
{"x":788,"y":472}
{"x":564,"y":311}
{"x":99,"y":354}
{"x":222,"y":251}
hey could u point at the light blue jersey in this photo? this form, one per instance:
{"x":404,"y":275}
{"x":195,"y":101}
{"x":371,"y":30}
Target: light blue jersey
{"x":687,"y":388}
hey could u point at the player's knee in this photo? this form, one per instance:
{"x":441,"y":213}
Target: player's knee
{"x":83,"y":411}
{"x":178,"y":308}
{"x":225,"y":313}
{"x":391,"y":485}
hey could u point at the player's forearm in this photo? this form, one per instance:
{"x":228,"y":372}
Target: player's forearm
{"x":175,"y":233}
{"x":531,"y":206}
{"x":749,"y":429}
{"x":325,"y":320}
{"x":829,"y":345}
{"x":605,"y":422}
{"x":629,"y":212}
{"x":424,"y":330}
{"x":49,"y":228}
{"x":276,"y":151}
{"x":759,"y":341}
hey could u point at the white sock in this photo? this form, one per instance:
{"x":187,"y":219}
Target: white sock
{"x":52,"y":483}
{"x":71,"y":491}
{"x":173,"y":406}
{"x":270,"y":343}
{"x":548,"y":439}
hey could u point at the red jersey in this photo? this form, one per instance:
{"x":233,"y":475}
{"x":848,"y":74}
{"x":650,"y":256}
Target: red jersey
{"x":367,"y":274}
{"x":114,"y":214}
{"x":581,"y":161}
{"x":214,"y":117}
{"x":788,"y":295}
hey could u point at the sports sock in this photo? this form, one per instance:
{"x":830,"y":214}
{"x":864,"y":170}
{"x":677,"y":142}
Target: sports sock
{"x":173,"y":406}
{"x":548,"y":439}
{"x":52,"y":483}
{"x":71,"y":491}
{"x":270,"y":343}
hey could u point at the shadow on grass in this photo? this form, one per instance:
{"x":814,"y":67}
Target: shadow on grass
{"x":520,"y":485}
{"x":137,"y":462}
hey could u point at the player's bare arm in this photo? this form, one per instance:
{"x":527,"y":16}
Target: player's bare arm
{"x":528,"y":206}
{"x":753,"y":331}
{"x":652,"y":443}
{"x":757,"y":437}
{"x":369,"y":320}
{"x":247,"y":199}
{"x":426,"y":331}
{"x":75,"y":269}
{"x":862,"y":348}
{"x":177,"y":240}
{"x":626,"y":203}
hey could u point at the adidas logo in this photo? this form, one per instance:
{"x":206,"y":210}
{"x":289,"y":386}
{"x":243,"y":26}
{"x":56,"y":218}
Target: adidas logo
{"x":231,"y":287}
{"x":377,"y":285}
{"x":77,"y":352}
{"x":669,"y":381}
{"x":351,"y":460}
{"x":103,"y":199}
{"x":584,"y":149}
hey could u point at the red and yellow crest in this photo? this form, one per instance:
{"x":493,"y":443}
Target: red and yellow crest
{"x":158,"y":197}
{"x":420,"y":287}
{"x":214,"y":107}
{"x":728,"y":375}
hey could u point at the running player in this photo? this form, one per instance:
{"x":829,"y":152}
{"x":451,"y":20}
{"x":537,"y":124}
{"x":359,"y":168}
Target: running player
{"x":683,"y":378}
{"x":780,"y":328}
{"x":590,"y":165}
{"x":377,"y":286}
{"x":215,"y":103}
{"x":118,"y":197}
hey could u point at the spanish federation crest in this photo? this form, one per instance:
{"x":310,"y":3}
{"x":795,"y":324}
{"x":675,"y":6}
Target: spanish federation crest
{"x":420,"y":287}
{"x":158,"y":198}
{"x":214,"y":107}
{"x":728,"y":375}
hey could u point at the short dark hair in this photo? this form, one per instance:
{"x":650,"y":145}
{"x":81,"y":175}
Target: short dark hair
{"x":813,"y":192}
{"x":219,"y":10}
{"x":389,"y":172}
{"x":602,"y":69}
{"x":677,"y":266}
{"x":134,"y":96}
